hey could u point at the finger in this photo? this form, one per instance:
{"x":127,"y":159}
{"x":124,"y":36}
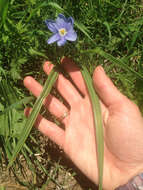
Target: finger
{"x":74,"y":73}
{"x":48,"y":128}
{"x":64,"y":86}
{"x":51,"y":103}
{"x":106,"y":90}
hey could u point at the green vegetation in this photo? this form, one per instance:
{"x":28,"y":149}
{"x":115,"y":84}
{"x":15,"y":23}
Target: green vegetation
{"x":110,"y":33}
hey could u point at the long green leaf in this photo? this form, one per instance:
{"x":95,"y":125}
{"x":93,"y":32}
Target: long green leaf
{"x":114,"y":60}
{"x":97,"y":123}
{"x":35,"y":111}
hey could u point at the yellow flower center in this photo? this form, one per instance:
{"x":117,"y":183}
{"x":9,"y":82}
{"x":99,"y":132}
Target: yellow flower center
{"x":62,"y":31}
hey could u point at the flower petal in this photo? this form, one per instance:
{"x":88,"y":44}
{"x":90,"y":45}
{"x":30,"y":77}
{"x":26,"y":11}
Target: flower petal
{"x":71,"y":35}
{"x":70,"y":20}
{"x":51,"y":25}
{"x":68,"y":26}
{"x":53,"y":38}
{"x":61,"y":21}
{"x":61,"y":16}
{"x":61,"y":42}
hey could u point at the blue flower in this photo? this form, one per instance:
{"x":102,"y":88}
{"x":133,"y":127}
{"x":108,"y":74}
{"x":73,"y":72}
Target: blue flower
{"x":62,"y":29}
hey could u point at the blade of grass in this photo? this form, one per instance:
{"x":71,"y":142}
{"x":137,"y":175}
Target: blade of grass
{"x":33,"y":12}
{"x":97,"y":122}
{"x":3,"y":9}
{"x":133,"y":41}
{"x":33,"y":52}
{"x":123,"y":10}
{"x":15,"y":105}
{"x":83,"y":29}
{"x":44,"y":4}
{"x":2,"y":188}
{"x":35,"y":111}
{"x":114,"y":60}
{"x":56,"y":6}
{"x":108,"y":29}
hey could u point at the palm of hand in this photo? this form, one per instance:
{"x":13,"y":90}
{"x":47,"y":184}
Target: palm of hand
{"x":122,"y":130}
{"x":119,"y":155}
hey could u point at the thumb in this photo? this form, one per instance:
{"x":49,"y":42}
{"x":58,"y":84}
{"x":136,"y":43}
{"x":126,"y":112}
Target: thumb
{"x":104,"y":87}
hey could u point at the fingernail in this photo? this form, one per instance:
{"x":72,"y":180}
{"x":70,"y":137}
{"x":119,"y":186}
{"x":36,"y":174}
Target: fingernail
{"x":100,"y":68}
{"x":48,"y":66}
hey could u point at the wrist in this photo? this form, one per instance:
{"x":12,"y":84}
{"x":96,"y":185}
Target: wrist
{"x":136,"y":183}
{"x":126,"y":179}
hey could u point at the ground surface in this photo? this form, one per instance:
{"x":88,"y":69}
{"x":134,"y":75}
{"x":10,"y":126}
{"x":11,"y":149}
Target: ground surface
{"x":61,"y":179}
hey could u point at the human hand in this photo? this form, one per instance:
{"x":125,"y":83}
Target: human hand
{"x":122,"y":122}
